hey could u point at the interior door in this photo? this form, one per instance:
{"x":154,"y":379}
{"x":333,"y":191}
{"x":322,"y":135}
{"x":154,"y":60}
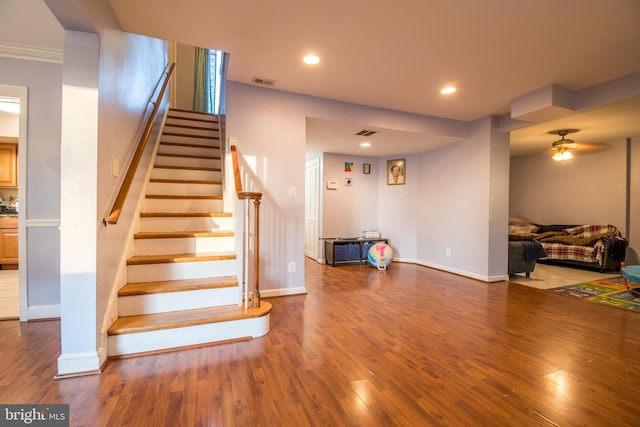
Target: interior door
{"x":312,"y":209}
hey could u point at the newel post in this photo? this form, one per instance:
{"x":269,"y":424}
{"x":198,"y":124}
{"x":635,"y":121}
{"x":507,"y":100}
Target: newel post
{"x":256,"y":255}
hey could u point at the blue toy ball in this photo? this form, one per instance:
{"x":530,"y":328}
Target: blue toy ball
{"x":380,"y":255}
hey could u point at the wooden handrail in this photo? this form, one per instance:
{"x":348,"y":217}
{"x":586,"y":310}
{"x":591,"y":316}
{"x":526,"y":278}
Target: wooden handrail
{"x":118,"y":203}
{"x":249,"y":195}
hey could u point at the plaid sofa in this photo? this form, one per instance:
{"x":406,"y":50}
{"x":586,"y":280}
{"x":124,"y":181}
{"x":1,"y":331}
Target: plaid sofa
{"x":599,"y":246}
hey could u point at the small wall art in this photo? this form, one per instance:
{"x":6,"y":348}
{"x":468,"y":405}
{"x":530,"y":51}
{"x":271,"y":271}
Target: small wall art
{"x":348,"y":166}
{"x":396,"y":172}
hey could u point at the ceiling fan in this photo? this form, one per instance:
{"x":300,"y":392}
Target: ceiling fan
{"x":563,"y":146}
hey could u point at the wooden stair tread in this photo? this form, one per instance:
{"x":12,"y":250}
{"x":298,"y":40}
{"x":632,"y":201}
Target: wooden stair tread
{"x":189,"y":156}
{"x":176,"y":258}
{"x":185,"y":181}
{"x":190,"y":126}
{"x":211,"y":116}
{"x":181,"y":234}
{"x":184,"y":318}
{"x":181,"y":197}
{"x":167,"y":286}
{"x":189,"y":145}
{"x":194,"y":135}
{"x":191,"y":168}
{"x":186,"y":214}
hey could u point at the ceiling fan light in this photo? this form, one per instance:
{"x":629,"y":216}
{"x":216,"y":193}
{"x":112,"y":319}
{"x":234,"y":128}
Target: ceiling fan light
{"x":558,"y":156}
{"x":567,"y":155}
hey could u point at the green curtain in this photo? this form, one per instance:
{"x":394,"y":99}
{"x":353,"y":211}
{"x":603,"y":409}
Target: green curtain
{"x":202,"y":90}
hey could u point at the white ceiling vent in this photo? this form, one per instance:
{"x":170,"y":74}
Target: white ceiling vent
{"x":365,"y":132}
{"x":264,"y":82}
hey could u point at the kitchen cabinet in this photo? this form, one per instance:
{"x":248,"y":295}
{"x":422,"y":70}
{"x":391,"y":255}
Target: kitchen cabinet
{"x":9,"y":240}
{"x":8,"y":165}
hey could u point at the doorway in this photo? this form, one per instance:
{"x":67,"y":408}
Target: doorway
{"x":13,"y":118}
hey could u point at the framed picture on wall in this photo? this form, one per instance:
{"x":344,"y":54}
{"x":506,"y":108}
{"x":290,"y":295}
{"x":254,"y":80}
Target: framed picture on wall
{"x":396,"y":172}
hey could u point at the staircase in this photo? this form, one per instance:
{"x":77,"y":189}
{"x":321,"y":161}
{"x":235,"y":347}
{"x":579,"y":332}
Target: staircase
{"x":182,"y":288}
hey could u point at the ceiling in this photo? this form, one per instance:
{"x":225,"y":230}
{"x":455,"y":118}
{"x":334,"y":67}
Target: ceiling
{"x":398,"y":55}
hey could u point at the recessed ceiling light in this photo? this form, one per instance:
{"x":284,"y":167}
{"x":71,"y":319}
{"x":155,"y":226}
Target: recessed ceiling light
{"x":448,"y":90}
{"x":365,"y":144}
{"x":311,"y":59}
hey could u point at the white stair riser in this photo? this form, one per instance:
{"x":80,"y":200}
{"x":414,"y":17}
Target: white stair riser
{"x":184,"y":189}
{"x":192,"y":151}
{"x":157,"y":224}
{"x":184,"y":245}
{"x":201,"y":175}
{"x":191,"y":131}
{"x":176,"y":301}
{"x":193,"y":335}
{"x":187,"y":122}
{"x":207,"y":142}
{"x":180,"y":270}
{"x":193,"y":115}
{"x":188,"y":162}
{"x":188,"y":205}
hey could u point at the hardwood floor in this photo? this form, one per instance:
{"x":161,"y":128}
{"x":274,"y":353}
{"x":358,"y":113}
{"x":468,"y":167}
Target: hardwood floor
{"x":409,"y":346}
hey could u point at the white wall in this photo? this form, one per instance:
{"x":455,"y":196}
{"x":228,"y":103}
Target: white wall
{"x":41,"y":208}
{"x":9,"y":123}
{"x":184,"y":76}
{"x":133,"y":65}
{"x":460,"y":199}
{"x":445,"y":202}
{"x":588,"y":189}
{"x":349,"y":210}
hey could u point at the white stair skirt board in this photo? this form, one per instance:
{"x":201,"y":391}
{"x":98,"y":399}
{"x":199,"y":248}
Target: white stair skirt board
{"x":149,"y":224}
{"x":194,"y":174}
{"x":187,"y":162}
{"x":192,"y":335}
{"x":180,"y":270}
{"x":183,"y":205}
{"x":184,"y":245}
{"x":177,"y":301}
{"x":184,"y":189}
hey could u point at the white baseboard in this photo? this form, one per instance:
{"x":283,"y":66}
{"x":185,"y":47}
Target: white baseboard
{"x":74,"y":364}
{"x":270,"y":293}
{"x":43,"y":312}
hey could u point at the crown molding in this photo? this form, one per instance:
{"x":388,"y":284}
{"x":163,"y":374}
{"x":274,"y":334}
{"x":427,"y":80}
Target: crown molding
{"x":31,"y":53}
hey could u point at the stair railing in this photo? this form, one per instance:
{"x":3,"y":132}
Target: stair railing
{"x":248,"y":197}
{"x":125,"y":186}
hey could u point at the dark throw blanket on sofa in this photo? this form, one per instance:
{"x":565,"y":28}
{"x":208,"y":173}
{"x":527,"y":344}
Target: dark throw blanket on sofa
{"x":533,"y":250}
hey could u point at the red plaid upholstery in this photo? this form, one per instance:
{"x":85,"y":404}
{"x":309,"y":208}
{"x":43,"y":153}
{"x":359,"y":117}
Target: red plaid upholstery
{"x":574,"y":253}
{"x":590,"y":230}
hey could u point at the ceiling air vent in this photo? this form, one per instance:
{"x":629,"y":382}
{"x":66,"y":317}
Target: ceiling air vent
{"x":365,"y":132}
{"x":264,"y":82}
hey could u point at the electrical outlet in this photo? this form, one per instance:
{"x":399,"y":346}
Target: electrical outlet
{"x":292,"y":191}
{"x":292,"y":267}
{"x":448,"y":251}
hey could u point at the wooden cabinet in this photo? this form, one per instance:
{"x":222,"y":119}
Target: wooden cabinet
{"x":9,"y":240}
{"x":8,"y":165}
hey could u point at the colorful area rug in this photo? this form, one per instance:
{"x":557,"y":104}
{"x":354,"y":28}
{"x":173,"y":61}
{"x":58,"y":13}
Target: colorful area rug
{"x":605,"y":291}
